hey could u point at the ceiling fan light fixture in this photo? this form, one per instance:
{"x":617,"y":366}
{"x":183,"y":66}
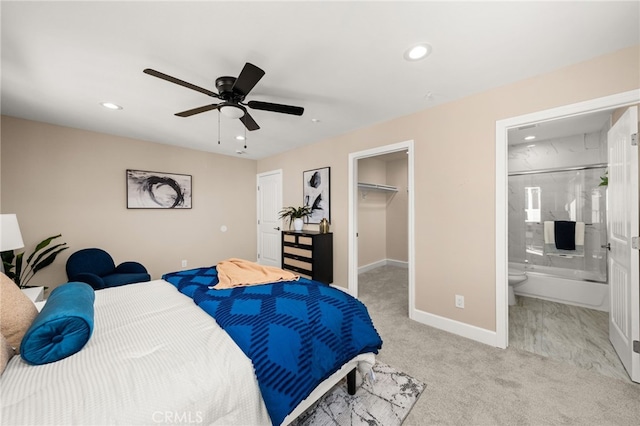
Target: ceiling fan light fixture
{"x":417,"y":52}
{"x":231,"y":111}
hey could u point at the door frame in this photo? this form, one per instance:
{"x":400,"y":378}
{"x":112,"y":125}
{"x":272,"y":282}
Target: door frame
{"x":501,"y":190}
{"x":353,"y":214}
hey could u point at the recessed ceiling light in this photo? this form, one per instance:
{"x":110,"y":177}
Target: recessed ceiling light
{"x":239,"y":138}
{"x":110,"y":105}
{"x":529,"y":138}
{"x":417,"y":52}
{"x":315,"y":120}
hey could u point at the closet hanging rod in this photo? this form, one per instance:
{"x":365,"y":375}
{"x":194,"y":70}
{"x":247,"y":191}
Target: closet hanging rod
{"x":559,"y":169}
{"x":540,"y":223}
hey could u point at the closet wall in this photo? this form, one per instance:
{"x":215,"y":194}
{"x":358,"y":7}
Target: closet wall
{"x":382,"y":215}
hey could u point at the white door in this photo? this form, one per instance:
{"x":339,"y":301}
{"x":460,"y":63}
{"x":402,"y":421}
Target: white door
{"x":269,"y":204}
{"x":622,"y":223}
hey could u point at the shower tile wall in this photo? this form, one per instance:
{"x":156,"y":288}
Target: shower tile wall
{"x":569,"y":195}
{"x":571,"y":151}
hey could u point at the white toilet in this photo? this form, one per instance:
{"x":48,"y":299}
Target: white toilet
{"x":516,"y":276}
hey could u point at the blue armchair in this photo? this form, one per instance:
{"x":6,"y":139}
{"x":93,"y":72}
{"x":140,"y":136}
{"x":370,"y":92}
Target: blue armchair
{"x":96,"y":268}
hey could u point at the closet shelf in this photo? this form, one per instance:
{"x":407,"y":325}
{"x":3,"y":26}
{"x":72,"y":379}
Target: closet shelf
{"x":376,"y":187}
{"x":366,"y":187}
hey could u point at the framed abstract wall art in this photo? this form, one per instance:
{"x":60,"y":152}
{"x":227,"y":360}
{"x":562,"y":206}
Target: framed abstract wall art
{"x":317,"y":193}
{"x":157,"y":190}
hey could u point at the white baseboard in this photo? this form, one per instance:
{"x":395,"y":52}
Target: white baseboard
{"x":383,"y":262}
{"x":371,"y":266}
{"x":456,"y":327}
{"x":398,"y":263}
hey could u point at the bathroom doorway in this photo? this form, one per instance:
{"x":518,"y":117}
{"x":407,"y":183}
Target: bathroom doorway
{"x":502,"y":128}
{"x":375,"y":164}
{"x":561,"y":307}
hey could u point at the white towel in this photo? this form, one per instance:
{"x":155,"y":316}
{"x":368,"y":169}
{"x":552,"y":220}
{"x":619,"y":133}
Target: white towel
{"x":549,"y":233}
{"x":550,"y":236}
{"x":579,"y":233}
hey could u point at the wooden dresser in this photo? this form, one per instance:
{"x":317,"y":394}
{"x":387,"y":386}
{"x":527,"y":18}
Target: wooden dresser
{"x":309,"y":254}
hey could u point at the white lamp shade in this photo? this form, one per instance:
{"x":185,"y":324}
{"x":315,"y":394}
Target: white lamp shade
{"x":10,"y":236}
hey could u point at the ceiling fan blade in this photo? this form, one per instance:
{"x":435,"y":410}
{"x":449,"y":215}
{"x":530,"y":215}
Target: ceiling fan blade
{"x":180,"y":82}
{"x":248,"y":78}
{"x":268,"y":106}
{"x":198,"y":110}
{"x":249,"y":122}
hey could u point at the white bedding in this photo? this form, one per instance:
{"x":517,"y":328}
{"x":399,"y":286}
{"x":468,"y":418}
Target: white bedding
{"x":185,"y":370}
{"x":154,"y":358}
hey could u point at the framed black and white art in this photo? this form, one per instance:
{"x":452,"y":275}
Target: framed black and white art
{"x":157,"y":190}
{"x":317,"y":193}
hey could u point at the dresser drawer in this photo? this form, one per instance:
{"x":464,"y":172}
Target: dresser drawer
{"x":305,"y":240}
{"x":288,"y":238}
{"x":298,"y":264}
{"x":298,"y":251}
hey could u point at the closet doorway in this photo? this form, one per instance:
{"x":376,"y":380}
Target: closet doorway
{"x":381,"y":213}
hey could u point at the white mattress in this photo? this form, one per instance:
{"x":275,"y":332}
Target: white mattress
{"x":154,"y":357}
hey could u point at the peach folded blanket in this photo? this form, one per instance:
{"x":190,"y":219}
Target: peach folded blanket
{"x":239,"y":272}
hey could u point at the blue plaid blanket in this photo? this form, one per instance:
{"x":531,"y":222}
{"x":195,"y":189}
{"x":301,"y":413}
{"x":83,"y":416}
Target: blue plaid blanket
{"x":296,"y":333}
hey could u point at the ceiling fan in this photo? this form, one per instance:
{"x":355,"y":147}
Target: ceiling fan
{"x":232,"y":91}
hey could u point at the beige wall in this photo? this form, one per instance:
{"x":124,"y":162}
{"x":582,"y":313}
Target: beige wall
{"x":372,"y":213}
{"x":454,"y":178}
{"x":382,"y":215}
{"x":397,"y":211}
{"x":62,"y":180}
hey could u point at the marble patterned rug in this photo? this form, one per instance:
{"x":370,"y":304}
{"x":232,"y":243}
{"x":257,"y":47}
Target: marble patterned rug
{"x":385,"y":401}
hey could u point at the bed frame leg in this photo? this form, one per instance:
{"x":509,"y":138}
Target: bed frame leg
{"x":351,"y":382}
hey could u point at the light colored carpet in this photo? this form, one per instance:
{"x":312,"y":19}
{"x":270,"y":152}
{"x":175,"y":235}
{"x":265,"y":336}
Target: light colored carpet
{"x":385,"y":401}
{"x":470,"y":383}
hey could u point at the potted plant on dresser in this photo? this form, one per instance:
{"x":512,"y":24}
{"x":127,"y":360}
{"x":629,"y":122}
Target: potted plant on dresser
{"x":295,"y":215}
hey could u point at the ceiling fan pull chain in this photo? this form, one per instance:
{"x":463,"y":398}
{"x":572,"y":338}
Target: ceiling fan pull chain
{"x":218,"y":127}
{"x":245,"y":137}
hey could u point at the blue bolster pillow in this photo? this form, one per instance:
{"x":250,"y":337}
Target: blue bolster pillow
{"x":63,"y":326}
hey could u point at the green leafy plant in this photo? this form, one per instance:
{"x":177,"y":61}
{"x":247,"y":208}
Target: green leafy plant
{"x":291,"y":213}
{"x":604,"y":180}
{"x":39,"y":259}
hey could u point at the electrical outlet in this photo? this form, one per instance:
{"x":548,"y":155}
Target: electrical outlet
{"x":459,"y":301}
{"x":184,"y":263}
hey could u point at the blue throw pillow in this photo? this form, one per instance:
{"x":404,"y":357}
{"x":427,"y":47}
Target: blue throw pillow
{"x":63,"y":326}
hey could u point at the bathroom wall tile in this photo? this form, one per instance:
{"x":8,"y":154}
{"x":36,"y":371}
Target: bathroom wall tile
{"x":572,"y":195}
{"x":568,"y":151}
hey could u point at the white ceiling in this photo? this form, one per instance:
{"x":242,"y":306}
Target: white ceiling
{"x":553,"y":129}
{"x":341,"y":61}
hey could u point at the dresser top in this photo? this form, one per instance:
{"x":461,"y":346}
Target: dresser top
{"x":303,"y":232}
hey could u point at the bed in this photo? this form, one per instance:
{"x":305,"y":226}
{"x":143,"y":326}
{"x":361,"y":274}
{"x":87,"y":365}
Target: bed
{"x":154,"y":357}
